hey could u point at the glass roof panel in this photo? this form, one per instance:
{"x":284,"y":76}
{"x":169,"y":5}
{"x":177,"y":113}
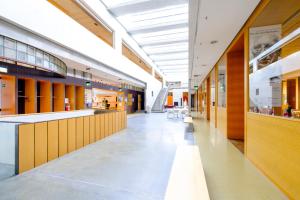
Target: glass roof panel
{"x":159,"y":57}
{"x":161,"y":32}
{"x":152,"y":50}
{"x":113,"y":3}
{"x":173,"y":62}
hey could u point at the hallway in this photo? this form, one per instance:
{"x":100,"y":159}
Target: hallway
{"x":133,"y":164}
{"x":229,"y":175}
{"x":136,"y":164}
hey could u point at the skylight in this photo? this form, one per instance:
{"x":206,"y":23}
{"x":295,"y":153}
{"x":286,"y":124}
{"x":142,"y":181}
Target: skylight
{"x":159,"y":27}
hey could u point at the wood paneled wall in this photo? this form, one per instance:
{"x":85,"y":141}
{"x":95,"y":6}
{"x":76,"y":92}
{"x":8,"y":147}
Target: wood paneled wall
{"x":46,"y":96}
{"x":212,"y":115}
{"x":158,"y":77}
{"x":8,"y":95}
{"x":222,"y":120}
{"x":30,"y":93}
{"x":273,"y":145}
{"x":79,"y":97}
{"x":208,"y":98}
{"x":235,"y":95}
{"x":70,"y":94}
{"x":79,"y":14}
{"x":131,"y":55}
{"x":58,"y":97}
{"x":39,"y":143}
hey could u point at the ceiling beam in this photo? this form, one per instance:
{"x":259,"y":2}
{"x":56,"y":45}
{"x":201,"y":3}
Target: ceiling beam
{"x":168,"y":59}
{"x":164,"y":43}
{"x":163,"y":27}
{"x":167,"y":52}
{"x":143,"y":6}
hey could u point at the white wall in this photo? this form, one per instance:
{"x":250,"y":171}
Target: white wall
{"x":44,"y":19}
{"x":177,"y":96}
{"x":7,"y":143}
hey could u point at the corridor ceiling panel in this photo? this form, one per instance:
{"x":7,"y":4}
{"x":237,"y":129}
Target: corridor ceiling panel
{"x":160,"y":27}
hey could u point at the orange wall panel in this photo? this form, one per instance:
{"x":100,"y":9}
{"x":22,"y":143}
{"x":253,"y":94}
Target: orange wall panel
{"x":8,"y":95}
{"x":235,"y":95}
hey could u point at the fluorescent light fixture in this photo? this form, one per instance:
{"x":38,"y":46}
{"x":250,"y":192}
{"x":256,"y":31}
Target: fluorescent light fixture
{"x":154,"y":22}
{"x":167,"y":15}
{"x":3,"y":70}
{"x":161,"y":33}
{"x":175,"y":62}
{"x":173,"y":67}
{"x":158,"y":57}
{"x":166,"y":48}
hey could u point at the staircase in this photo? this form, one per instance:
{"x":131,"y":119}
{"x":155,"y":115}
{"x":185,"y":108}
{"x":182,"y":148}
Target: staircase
{"x":159,"y":103}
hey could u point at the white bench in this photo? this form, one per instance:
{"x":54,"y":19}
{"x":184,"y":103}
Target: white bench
{"x":189,"y":120}
{"x":187,"y":179}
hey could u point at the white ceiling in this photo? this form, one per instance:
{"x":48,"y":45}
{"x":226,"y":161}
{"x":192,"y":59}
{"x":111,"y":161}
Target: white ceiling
{"x":160,"y":27}
{"x":213,"y":20}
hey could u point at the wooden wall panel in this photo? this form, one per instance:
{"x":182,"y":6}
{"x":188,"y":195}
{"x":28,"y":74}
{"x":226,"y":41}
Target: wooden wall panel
{"x":52,"y":140}
{"x":92,"y":129}
{"x":80,"y":15}
{"x":131,"y":55}
{"x":46,"y":97}
{"x":86,"y":130}
{"x":110,"y":123}
{"x":97,"y":127}
{"x":26,"y":147}
{"x":79,"y":132}
{"x":70,"y":94}
{"x":273,"y":145}
{"x":30,"y":93}
{"x":40,"y":143}
{"x":125,"y":119}
{"x":208,"y":98}
{"x":79,"y":97}
{"x":102,"y":126}
{"x":8,"y":96}
{"x":62,"y":137}
{"x":222,"y":120}
{"x":106,"y":127}
{"x":117,"y":121}
{"x":212,"y":115}
{"x":114,"y":122}
{"x":122,"y":120}
{"x":58,"y":97}
{"x":235,"y":95}
{"x":71,"y":134}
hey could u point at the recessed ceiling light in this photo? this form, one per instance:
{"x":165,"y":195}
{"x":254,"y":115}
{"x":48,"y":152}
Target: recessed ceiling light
{"x":213,"y":42}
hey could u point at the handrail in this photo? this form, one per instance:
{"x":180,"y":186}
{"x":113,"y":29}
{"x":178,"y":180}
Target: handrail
{"x":284,"y":41}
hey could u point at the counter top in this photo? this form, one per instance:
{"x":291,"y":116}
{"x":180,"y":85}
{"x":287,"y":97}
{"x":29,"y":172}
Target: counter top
{"x":40,"y":117}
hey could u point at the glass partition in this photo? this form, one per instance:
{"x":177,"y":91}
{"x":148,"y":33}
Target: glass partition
{"x":212,"y":88}
{"x":11,"y":49}
{"x":222,"y":82}
{"x":274,"y":79}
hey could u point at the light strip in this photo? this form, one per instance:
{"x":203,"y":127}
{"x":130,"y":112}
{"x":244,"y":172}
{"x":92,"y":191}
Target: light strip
{"x":3,"y":69}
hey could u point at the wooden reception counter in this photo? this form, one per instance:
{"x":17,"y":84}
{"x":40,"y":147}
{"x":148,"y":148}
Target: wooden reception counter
{"x":28,"y":141}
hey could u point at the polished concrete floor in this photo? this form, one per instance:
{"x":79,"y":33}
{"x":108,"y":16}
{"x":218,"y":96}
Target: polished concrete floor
{"x":6,"y":171}
{"x":136,"y":164}
{"x":133,"y":164}
{"x":229,"y":175}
